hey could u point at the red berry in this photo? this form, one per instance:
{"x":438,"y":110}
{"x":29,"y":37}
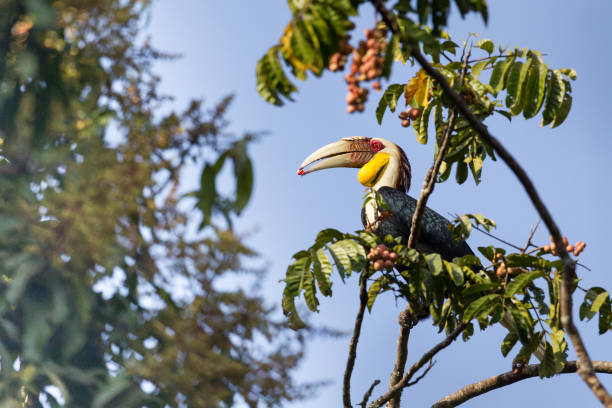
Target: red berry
{"x":414,"y":113}
{"x":386,"y":254}
{"x":405,"y":123}
{"x":393,"y":256}
{"x":378,"y":265}
{"x":388,"y":264}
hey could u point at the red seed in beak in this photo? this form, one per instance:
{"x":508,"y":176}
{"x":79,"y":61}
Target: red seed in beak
{"x":300,"y":172}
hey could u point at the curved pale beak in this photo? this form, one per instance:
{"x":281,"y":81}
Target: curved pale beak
{"x":349,"y":152}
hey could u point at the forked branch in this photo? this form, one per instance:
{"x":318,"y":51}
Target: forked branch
{"x":426,"y":358}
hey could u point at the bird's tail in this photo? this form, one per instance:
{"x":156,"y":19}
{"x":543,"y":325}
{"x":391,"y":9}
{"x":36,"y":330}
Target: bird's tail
{"x":508,"y":323}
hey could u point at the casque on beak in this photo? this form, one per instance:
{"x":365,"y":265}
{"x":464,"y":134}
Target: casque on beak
{"x":349,"y":152}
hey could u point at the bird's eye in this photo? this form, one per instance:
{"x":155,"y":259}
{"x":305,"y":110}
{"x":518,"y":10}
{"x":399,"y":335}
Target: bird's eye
{"x":376,"y":145}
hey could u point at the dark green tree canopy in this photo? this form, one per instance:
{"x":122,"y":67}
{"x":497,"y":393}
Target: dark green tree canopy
{"x":90,"y":190}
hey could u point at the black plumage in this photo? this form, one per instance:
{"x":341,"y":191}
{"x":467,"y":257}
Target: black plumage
{"x":435,"y":234}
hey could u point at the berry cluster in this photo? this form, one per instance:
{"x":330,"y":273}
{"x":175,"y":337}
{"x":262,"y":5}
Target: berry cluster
{"x":501,"y":269}
{"x":575,"y":249}
{"x":366,"y":65}
{"x":382,"y":257}
{"x":338,"y":60}
{"x":410,"y":113}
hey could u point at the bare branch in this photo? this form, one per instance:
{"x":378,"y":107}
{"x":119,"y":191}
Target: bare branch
{"x":379,"y":402}
{"x":528,"y":244}
{"x":481,"y":387}
{"x":420,"y":377}
{"x":368,"y":394}
{"x":585,"y":370}
{"x":350,"y":362}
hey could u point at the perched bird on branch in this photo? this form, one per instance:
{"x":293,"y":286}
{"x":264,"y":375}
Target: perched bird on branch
{"x":385,"y":168}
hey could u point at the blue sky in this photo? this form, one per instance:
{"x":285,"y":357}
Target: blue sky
{"x":220,"y":43}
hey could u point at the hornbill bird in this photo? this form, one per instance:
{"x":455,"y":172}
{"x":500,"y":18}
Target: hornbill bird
{"x":385,"y":168}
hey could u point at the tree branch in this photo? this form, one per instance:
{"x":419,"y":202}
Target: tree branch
{"x":406,"y":321}
{"x":405,"y":381}
{"x":585,"y":370}
{"x":368,"y":394}
{"x":481,"y":387}
{"x":350,"y":362}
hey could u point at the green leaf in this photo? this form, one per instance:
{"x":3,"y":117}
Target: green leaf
{"x":509,"y":342}
{"x":327,"y":235}
{"x":434,"y":262}
{"x":555,"y":97}
{"x":605,"y":319}
{"x":455,"y":272}
{"x":375,"y":289}
{"x":368,"y":238}
{"x":522,"y":322}
{"x":389,"y":98}
{"x":290,"y":311}
{"x":424,"y":124}
{"x":516,"y":81}
{"x":487,"y":252}
{"x":536,"y":85}
{"x":565,"y":107}
{"x":341,"y":259}
{"x":462,"y":172}
{"x":599,"y":301}
{"x":310,"y":292}
{"x":479,"y":305}
{"x":521,"y":281}
{"x":480,"y":288}
{"x":355,"y":252}
{"x":322,"y":269}
{"x":547,"y":366}
{"x":207,"y":193}
{"x":570,"y":73}
{"x":476,"y":168}
{"x":486,"y":45}
{"x":478,"y":67}
{"x":272,"y":83}
{"x":243,"y":171}
{"x":498,"y":76}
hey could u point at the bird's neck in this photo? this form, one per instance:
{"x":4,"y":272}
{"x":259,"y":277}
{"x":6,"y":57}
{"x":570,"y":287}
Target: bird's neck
{"x":388,"y":179}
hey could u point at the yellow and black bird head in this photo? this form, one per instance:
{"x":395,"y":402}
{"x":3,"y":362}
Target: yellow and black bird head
{"x":381,"y":162}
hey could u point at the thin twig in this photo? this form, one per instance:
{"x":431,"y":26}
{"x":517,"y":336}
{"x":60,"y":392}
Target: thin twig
{"x":585,"y":368}
{"x":481,"y":387}
{"x":352,"y":355}
{"x":368,"y":394}
{"x":518,"y":248}
{"x":420,"y":377}
{"x":496,"y":56}
{"x":528,"y":244}
{"x":380,"y":401}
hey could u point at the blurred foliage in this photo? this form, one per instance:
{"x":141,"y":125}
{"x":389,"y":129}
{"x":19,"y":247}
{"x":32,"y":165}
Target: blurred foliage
{"x":109,"y":293}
